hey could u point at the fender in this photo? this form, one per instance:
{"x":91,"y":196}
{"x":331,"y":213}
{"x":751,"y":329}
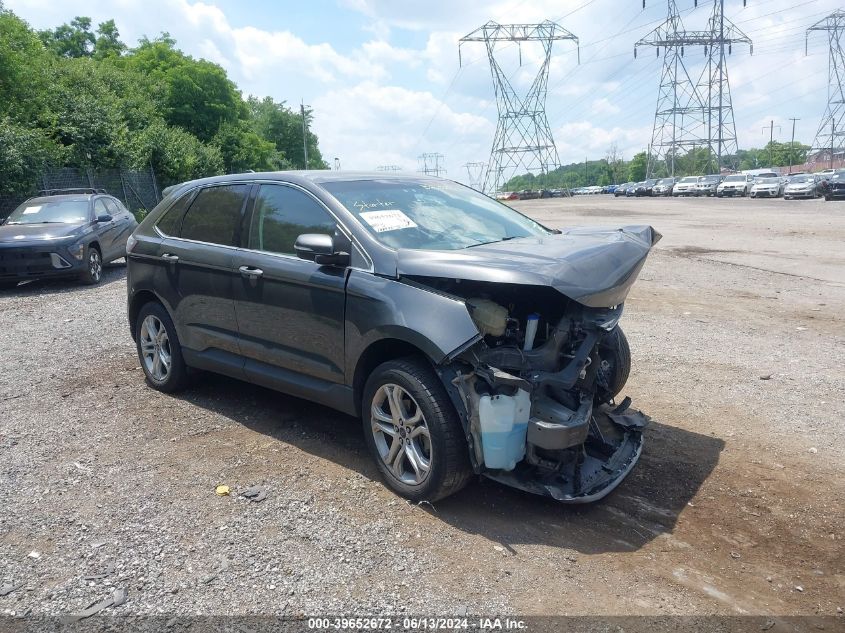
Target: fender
{"x":381,"y":308}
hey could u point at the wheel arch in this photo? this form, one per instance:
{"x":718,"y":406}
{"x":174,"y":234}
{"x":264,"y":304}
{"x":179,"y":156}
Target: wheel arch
{"x":375,"y":354}
{"x":138,"y":301}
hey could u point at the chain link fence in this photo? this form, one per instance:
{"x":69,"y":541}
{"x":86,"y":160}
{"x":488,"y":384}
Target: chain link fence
{"x":138,"y":190}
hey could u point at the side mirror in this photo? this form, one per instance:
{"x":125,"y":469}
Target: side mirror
{"x":104,"y":218}
{"x":319,"y":248}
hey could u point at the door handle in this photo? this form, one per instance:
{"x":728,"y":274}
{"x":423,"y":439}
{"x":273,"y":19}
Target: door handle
{"x":170,"y":258}
{"x":251,"y":272}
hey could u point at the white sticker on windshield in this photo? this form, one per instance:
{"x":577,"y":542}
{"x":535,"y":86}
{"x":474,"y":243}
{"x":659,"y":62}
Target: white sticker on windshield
{"x":29,"y":210}
{"x":391,"y":220}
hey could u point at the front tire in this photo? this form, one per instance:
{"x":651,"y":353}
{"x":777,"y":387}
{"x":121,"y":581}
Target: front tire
{"x":413,"y":432}
{"x":93,"y":272}
{"x":159,"y":350}
{"x":615,"y":367}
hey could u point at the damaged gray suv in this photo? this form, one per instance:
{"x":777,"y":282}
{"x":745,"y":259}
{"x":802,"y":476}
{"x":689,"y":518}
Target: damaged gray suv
{"x":467,"y":337}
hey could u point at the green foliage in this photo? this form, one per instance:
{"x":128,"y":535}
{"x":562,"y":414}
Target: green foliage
{"x":637,"y":167}
{"x":108,"y":42}
{"x":23,"y":76}
{"x":79,"y":97}
{"x":25,"y":152}
{"x":70,"y":40}
{"x":242,"y":149}
{"x":281,"y":125}
{"x":175,"y":155}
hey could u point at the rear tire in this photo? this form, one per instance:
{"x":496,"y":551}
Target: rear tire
{"x":159,"y":351}
{"x":419,"y":465}
{"x":615,"y":351}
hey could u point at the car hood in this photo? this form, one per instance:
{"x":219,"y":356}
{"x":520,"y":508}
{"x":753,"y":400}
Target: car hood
{"x":594,"y":266}
{"x":16,"y":233}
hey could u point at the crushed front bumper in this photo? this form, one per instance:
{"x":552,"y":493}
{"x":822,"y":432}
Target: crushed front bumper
{"x":610,"y":452}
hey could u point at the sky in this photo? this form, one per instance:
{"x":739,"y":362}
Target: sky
{"x":384,"y":81}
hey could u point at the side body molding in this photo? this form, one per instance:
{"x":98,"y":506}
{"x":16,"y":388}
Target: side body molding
{"x":380,"y":308}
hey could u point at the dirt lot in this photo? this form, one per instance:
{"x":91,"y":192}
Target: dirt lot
{"x":737,"y":506}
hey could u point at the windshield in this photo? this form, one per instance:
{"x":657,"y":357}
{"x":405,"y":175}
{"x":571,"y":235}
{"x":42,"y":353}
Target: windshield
{"x":735,"y":179}
{"x":839,"y":175}
{"x":52,"y":211}
{"x":710,"y":179}
{"x":430,"y":214}
{"x":768,"y":181}
{"x":802,"y":179}
{"x":690,"y":179}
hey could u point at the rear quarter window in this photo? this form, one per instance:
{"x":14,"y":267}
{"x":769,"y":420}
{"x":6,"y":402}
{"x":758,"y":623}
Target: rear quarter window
{"x":169,"y":222}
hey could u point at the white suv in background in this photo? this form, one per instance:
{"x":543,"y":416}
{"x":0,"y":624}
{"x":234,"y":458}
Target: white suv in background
{"x":686,"y":186}
{"x":735,"y":185}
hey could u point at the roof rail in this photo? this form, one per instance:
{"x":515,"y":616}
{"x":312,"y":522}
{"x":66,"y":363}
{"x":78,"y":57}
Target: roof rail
{"x":57,"y":192}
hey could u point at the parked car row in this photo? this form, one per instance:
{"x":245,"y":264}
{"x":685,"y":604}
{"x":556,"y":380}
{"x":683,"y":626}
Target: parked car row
{"x":829,"y":183}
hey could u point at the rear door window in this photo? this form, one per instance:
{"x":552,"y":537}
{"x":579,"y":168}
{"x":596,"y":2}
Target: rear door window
{"x":281,"y":215}
{"x":215,"y":215}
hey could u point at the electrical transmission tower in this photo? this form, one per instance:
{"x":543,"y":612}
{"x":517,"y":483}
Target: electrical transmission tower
{"x":475,"y":173}
{"x":829,"y":135}
{"x":432,"y":164}
{"x":693,"y":114}
{"x":523,"y":138}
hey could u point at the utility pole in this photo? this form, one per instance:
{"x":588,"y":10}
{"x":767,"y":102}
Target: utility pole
{"x":432,"y":164}
{"x":586,"y":178}
{"x":687,"y":109}
{"x":304,"y":134}
{"x":771,"y":128}
{"x":834,"y":114}
{"x":832,"y":137}
{"x":523,"y":140}
{"x":792,"y":144}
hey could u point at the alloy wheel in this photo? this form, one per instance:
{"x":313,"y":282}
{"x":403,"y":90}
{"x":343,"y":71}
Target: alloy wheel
{"x":95,"y":264}
{"x":155,"y":348}
{"x":401,"y":434}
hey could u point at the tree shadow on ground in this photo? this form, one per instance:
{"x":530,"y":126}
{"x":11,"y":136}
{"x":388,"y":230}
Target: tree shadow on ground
{"x":674,"y":465}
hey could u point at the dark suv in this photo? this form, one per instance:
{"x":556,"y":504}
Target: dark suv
{"x":63,"y":233}
{"x":468,"y":338}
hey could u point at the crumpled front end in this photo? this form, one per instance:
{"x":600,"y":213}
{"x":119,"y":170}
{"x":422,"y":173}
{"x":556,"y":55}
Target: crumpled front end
{"x":539,"y":401}
{"x":537,"y":390}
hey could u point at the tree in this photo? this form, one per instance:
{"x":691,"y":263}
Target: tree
{"x":175,"y":155}
{"x":108,"y":42}
{"x":201,"y":98}
{"x":638,"y":166}
{"x":70,"y":40}
{"x":615,"y":164}
{"x":26,"y":151}
{"x":23,"y":70}
{"x":242,"y":149}
{"x":279,"y":124}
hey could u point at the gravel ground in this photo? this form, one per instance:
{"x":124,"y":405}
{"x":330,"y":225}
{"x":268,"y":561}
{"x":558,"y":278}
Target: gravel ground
{"x":738,"y":339}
